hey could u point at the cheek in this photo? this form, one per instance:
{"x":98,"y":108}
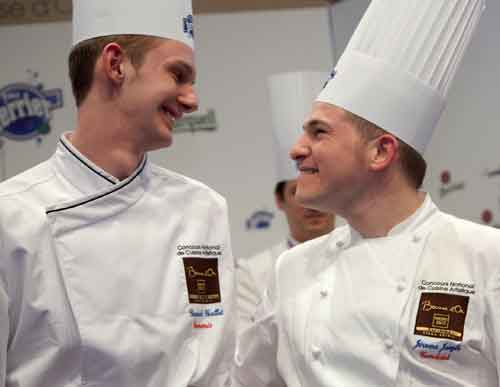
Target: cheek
{"x":305,"y":182}
{"x":298,"y":211}
{"x":328,"y":170}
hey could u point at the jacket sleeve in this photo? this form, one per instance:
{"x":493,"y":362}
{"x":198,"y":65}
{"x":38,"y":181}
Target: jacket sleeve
{"x":4,"y":334}
{"x":247,"y":295}
{"x":219,"y":372}
{"x":492,"y":335}
{"x":4,"y":320}
{"x":255,"y":363}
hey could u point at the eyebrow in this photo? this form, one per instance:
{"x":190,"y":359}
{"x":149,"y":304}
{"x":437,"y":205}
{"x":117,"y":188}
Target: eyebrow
{"x":313,"y":123}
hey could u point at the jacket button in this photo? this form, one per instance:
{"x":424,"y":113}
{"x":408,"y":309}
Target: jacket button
{"x":388,"y":344}
{"x":340,"y":244}
{"x":416,"y":239}
{"x":323,"y":293}
{"x":401,"y":286}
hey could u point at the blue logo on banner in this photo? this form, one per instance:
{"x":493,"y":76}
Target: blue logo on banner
{"x":188,"y":25}
{"x":259,"y":220}
{"x":25,"y":110}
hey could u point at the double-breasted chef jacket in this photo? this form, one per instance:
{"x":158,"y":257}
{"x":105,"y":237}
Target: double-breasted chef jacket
{"x":113,"y":283}
{"x":420,"y":307}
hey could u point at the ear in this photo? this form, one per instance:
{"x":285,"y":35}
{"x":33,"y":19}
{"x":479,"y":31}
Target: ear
{"x":383,"y":151}
{"x":279,"y":201}
{"x":113,"y":59}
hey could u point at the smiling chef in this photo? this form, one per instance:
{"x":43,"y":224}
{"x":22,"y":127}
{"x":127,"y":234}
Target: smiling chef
{"x":113,"y":271}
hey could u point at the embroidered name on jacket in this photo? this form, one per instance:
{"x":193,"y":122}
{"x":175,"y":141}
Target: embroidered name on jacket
{"x":441,"y":315}
{"x":436,"y":351}
{"x":202,"y":278}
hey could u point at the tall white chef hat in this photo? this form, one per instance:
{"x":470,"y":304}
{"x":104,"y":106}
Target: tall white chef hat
{"x":398,"y":66}
{"x":291,"y":97}
{"x":172,"y":19}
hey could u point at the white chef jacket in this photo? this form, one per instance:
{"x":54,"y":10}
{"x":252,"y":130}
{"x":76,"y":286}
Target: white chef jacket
{"x":420,"y":307}
{"x":253,"y":274}
{"x":113,"y":283}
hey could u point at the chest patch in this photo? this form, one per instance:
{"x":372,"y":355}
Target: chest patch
{"x":202,"y":278}
{"x":441,"y":315}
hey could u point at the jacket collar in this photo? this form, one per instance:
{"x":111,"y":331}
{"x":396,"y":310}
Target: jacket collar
{"x":101,"y":193}
{"x":79,"y":171}
{"x":408,"y":226}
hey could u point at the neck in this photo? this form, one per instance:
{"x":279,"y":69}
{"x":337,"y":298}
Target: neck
{"x":301,"y":236}
{"x":382,"y":209}
{"x":110,"y":147}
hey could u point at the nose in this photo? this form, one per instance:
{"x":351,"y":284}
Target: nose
{"x":188,"y":99}
{"x":300,"y":150}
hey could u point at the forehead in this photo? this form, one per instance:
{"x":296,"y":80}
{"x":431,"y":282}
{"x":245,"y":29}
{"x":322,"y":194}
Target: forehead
{"x":172,"y":50}
{"x":326,"y":113}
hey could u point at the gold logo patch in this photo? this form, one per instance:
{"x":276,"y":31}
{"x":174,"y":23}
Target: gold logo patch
{"x":441,"y":315}
{"x":202,"y":278}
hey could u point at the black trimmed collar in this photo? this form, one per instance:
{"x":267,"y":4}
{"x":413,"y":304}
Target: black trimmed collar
{"x":80,"y":172}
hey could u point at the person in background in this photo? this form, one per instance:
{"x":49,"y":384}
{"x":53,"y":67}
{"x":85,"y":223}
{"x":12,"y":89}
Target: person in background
{"x":115,"y":272}
{"x":291,"y":95}
{"x":404,"y":294}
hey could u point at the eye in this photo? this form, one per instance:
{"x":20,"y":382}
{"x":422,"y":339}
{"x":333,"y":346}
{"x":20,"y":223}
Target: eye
{"x":315,"y":129}
{"x":318,"y":131}
{"x":182,"y":73}
{"x":178,"y":75}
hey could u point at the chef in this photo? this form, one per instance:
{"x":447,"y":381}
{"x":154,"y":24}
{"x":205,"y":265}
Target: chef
{"x":114,"y":271}
{"x":291,"y":95}
{"x":404,"y":294}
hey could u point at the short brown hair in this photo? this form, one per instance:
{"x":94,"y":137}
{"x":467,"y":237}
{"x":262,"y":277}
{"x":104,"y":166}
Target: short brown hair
{"x":83,"y":57}
{"x":412,"y":163}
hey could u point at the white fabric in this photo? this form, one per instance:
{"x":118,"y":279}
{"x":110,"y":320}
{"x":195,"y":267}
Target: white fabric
{"x":291,"y":97}
{"x":252,"y":277}
{"x":93,"y":288}
{"x":171,"y":19}
{"x":398,"y":66}
{"x":345,"y":309}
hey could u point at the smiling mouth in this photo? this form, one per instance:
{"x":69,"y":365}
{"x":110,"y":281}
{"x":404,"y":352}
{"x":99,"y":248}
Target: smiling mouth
{"x":308,"y":171}
{"x":170,"y":114}
{"x":313,"y":214}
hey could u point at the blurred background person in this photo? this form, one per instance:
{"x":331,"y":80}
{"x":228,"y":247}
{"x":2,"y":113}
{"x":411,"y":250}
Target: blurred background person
{"x":291,"y":96}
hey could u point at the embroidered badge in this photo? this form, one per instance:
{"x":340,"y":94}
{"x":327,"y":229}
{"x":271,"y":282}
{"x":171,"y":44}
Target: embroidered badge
{"x":441,"y":315}
{"x":202,"y":278}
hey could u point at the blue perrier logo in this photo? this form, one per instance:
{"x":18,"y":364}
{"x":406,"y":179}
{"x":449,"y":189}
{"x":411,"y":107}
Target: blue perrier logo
{"x":25,"y":110}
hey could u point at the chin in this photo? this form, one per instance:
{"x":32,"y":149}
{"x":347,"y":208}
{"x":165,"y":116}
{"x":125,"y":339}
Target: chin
{"x":315,"y":202}
{"x":306,"y":199}
{"x":163,"y":138}
{"x":159,"y":144}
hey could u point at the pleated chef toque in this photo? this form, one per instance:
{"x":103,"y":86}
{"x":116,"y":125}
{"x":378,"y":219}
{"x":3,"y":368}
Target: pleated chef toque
{"x":399,"y":64}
